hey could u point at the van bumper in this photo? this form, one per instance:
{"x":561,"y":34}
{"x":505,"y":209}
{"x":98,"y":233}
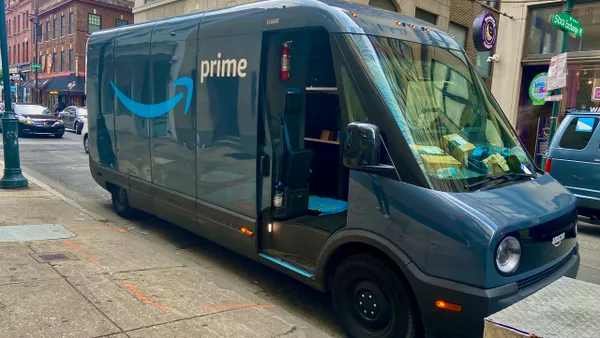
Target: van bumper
{"x":476,"y":303}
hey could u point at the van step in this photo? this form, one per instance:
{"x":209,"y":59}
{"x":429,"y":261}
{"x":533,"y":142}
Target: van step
{"x":287,"y":265}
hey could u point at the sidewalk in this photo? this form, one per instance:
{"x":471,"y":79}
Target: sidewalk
{"x":92,"y":279}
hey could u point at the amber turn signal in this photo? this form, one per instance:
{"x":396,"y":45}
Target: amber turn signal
{"x":247,"y":231}
{"x":440,"y":304}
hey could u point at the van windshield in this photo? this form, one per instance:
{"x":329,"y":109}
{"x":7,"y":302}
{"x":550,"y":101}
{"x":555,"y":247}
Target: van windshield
{"x":452,"y":123}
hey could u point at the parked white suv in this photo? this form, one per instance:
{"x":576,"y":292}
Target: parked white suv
{"x":84,"y":133}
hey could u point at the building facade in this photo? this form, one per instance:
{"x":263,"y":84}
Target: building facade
{"x":19,"y":37}
{"x":453,"y":16}
{"x":66,"y":26}
{"x":526,"y":41}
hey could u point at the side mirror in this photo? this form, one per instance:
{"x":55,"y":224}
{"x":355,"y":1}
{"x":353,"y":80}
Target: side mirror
{"x":362,"y":146}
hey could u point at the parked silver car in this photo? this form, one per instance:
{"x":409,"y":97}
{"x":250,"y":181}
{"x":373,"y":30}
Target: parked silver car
{"x":74,"y":117}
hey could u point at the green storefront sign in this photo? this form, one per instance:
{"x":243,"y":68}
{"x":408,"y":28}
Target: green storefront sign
{"x":537,"y":89}
{"x":568,"y":23}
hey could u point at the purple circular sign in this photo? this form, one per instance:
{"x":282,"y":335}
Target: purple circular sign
{"x":484,"y":32}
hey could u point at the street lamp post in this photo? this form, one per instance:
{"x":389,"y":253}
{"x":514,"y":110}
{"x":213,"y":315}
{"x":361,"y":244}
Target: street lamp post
{"x":563,"y":48}
{"x":13,"y":176}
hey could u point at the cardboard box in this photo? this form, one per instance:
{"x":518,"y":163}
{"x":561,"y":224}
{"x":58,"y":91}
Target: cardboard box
{"x":428,"y":150}
{"x":456,"y":145}
{"x":435,"y":162}
{"x":327,"y":135}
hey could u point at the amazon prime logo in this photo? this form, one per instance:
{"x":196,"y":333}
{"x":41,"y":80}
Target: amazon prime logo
{"x":222,"y":68}
{"x":155,"y":110}
{"x":558,"y":239}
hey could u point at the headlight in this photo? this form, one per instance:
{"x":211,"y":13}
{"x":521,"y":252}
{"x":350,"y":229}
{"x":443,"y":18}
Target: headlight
{"x":26,"y":121}
{"x":508,"y":255}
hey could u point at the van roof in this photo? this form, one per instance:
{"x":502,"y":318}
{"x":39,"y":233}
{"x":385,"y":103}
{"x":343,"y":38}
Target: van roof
{"x":581,"y":112}
{"x":337,"y":16}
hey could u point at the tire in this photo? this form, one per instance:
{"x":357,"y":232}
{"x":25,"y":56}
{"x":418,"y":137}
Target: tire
{"x":120,"y":203}
{"x":86,"y":144}
{"x":77,"y":128}
{"x":59,"y":135}
{"x":371,"y":300}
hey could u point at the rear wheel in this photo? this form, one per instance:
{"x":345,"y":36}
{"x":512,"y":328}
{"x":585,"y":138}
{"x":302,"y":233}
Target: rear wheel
{"x":77,"y":128}
{"x":120,"y":203}
{"x":86,"y":144}
{"x":371,"y":300}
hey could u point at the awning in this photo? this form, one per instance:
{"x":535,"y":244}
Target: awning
{"x":31,"y":83}
{"x":68,"y":83}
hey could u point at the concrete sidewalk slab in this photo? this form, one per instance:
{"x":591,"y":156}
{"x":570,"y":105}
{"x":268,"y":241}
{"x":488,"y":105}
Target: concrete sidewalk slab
{"x":248,"y":322}
{"x":50,"y":308}
{"x":18,"y":266}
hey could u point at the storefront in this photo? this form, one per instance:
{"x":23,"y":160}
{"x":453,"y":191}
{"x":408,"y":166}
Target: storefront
{"x":543,"y":40}
{"x":66,"y":88}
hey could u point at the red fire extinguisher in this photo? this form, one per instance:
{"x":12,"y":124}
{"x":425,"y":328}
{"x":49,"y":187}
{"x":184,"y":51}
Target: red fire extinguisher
{"x":286,"y":54}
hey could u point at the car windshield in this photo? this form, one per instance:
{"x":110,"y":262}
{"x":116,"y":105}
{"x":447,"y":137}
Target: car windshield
{"x":452,"y":123}
{"x":26,"y":110}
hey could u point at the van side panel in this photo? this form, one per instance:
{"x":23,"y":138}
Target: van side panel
{"x":227,"y":124}
{"x":100,"y":100}
{"x":132,"y":80}
{"x":173,"y":68}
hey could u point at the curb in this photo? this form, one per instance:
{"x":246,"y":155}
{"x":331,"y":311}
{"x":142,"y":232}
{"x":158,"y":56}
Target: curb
{"x":60,"y":196}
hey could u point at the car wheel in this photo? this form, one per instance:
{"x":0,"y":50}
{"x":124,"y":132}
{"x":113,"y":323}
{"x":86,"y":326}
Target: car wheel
{"x":86,"y":144}
{"x":120,"y":203}
{"x":59,"y":135}
{"x":77,"y":128}
{"x":371,"y":300}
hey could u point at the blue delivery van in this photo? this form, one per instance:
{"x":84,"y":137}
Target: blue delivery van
{"x":354,"y":149}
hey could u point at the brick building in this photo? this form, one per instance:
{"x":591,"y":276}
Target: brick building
{"x":66,"y":26}
{"x":19,"y":37}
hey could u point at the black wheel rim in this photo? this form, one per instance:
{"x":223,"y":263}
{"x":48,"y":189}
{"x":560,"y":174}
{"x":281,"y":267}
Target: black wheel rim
{"x":372,"y":309}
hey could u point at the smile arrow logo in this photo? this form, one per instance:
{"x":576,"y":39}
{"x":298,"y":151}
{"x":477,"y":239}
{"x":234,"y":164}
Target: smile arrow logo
{"x":155,"y":110}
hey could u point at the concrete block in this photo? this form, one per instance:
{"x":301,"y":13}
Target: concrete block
{"x":17,"y":266}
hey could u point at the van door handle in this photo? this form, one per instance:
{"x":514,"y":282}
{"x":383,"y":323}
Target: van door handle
{"x":264,"y":165}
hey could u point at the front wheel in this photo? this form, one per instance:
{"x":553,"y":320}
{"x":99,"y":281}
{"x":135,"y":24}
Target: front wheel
{"x":120,"y":203}
{"x":371,"y":300}
{"x":59,"y":135}
{"x":86,"y":144}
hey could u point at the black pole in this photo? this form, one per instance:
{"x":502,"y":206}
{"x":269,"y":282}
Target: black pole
{"x":13,"y":176}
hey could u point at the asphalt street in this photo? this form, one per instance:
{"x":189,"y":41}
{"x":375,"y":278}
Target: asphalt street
{"x":63,"y":165}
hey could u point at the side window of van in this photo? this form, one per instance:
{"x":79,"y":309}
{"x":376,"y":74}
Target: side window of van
{"x":578,"y":133}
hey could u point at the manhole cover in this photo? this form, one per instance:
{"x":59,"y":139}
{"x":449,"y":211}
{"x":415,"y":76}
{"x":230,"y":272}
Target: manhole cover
{"x":53,"y":257}
{"x":33,"y":232}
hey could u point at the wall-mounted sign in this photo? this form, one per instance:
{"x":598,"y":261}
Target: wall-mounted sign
{"x":557,"y":72}
{"x":537,"y":89}
{"x":568,"y":23}
{"x":485,"y":32}
{"x":54,"y":92}
{"x":15,"y":77}
{"x":596,"y":94}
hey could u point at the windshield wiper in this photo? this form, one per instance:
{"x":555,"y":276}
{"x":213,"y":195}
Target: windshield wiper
{"x":499,"y":178}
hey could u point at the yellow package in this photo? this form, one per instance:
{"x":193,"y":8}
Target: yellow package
{"x":456,"y":145}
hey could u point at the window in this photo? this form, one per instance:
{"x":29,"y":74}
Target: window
{"x":27,"y":51}
{"x":47,"y":30}
{"x":94,"y":23}
{"x":9,"y":55}
{"x":120,"y":22}
{"x":26,"y":21}
{"x":54,"y":28}
{"x":425,"y":16}
{"x":62,"y":25}
{"x":62,"y":61}
{"x":8,"y":27}
{"x":18,"y":58}
{"x":54,"y":62}
{"x":41,"y":60}
{"x":578,"y":133}
{"x":460,"y":33}
{"x":18,"y":24}
{"x":70,"y":59}
{"x":383,"y":4}
{"x":71,"y":23}
{"x":14,"y":25}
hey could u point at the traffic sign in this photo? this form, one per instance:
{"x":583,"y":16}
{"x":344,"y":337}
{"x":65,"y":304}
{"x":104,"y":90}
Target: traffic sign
{"x":568,"y":23}
{"x":557,"y":72}
{"x":36,"y":66}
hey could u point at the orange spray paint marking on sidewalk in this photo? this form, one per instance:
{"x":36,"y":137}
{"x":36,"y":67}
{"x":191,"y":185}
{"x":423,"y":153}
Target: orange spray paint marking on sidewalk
{"x":267,"y":306}
{"x":74,"y":247}
{"x":143,"y":298}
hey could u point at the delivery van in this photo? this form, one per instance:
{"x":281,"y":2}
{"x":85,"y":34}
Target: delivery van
{"x":354,"y":149}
